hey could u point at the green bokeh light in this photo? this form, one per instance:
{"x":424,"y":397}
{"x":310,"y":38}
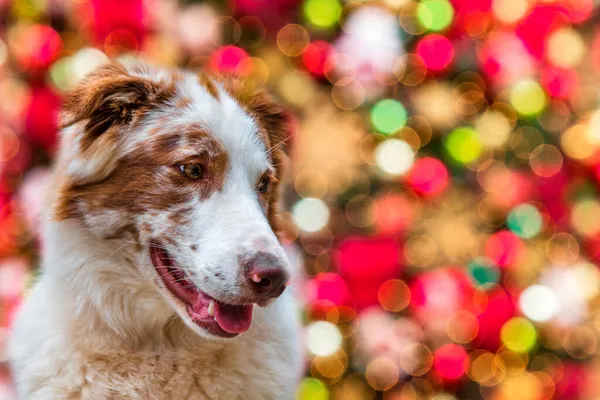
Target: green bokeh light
{"x":463,"y":145}
{"x":388,"y":115}
{"x":528,"y":98}
{"x":322,"y":13}
{"x":483,"y":272}
{"x":435,"y":15}
{"x":525,"y":221}
{"x":518,"y":335}
{"x":312,"y":389}
{"x":61,"y":74}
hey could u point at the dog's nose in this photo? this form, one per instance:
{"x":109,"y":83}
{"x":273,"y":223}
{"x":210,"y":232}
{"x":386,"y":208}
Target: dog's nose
{"x":266,"y":275}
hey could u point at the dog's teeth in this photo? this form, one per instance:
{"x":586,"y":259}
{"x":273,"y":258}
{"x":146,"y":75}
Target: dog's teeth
{"x":211,"y":308}
{"x":256,"y":278}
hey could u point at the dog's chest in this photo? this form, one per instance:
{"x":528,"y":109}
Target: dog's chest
{"x":176,"y":375}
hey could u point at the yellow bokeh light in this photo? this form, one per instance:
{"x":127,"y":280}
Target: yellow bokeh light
{"x":585,"y":217}
{"x":587,"y":277}
{"x":528,"y":98}
{"x":518,"y":335}
{"x":577,"y":143}
{"x":493,"y":129}
{"x":297,"y":88}
{"x":521,"y":387}
{"x":510,"y":11}
{"x":593,"y":128}
{"x":566,"y":48}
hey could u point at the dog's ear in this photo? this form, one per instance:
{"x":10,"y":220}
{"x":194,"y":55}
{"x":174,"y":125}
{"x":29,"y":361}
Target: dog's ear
{"x":276,"y":120}
{"x":97,"y":114}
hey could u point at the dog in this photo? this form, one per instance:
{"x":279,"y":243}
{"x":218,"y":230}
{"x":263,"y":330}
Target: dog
{"x":162,"y":273}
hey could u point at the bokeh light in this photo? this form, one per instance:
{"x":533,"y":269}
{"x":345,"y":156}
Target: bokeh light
{"x":483,"y":272}
{"x":538,"y":303}
{"x":394,"y":156}
{"x":323,"y":338}
{"x":428,"y":176}
{"x":229,"y":59}
{"x":387,"y":116}
{"x":463,"y":145}
{"x":435,"y":15}
{"x":312,"y":389}
{"x":566,"y":48}
{"x":450,"y":361}
{"x":510,"y":11}
{"x":504,"y":248}
{"x":315,"y":57}
{"x":493,"y":128}
{"x":322,"y":13}
{"x":528,"y":98}
{"x":394,"y":295}
{"x":525,"y":221}
{"x":519,"y":335}
{"x":436,"y":51}
{"x":310,"y":214}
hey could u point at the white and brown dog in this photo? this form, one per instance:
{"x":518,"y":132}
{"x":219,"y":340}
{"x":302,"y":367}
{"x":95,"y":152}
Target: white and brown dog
{"x":163,"y":277}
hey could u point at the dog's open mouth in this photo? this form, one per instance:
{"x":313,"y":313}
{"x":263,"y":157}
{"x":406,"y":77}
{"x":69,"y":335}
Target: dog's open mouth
{"x":220,"y":319}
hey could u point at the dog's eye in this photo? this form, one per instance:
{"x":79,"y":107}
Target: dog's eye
{"x":194,"y":171}
{"x":263,"y":185}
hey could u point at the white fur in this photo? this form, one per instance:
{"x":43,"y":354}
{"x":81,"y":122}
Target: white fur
{"x":99,"y":323}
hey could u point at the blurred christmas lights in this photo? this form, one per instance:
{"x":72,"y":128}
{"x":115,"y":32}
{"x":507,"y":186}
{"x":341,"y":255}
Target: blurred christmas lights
{"x":450,"y":253}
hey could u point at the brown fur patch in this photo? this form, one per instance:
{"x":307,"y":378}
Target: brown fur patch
{"x":111,"y":97}
{"x":149,"y":177}
{"x":183,"y":102}
{"x":208,"y":84}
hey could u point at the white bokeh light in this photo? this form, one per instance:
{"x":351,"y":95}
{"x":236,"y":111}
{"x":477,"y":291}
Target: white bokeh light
{"x":539,"y":303}
{"x":86,"y":60}
{"x":394,"y":157}
{"x":371,"y":38}
{"x":323,"y":338}
{"x":310,"y":214}
{"x":565,"y":283}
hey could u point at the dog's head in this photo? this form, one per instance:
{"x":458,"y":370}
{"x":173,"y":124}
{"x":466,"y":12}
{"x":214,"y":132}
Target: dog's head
{"x":186,"y":168}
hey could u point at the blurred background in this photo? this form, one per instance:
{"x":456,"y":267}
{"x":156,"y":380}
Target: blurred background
{"x":442,"y":185}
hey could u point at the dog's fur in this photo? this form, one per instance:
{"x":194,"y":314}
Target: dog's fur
{"x":99,"y":323}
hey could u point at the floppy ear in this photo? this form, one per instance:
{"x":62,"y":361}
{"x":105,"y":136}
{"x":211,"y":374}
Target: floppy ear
{"x":97,"y":114}
{"x":275,"y":120}
{"x":260,"y":104}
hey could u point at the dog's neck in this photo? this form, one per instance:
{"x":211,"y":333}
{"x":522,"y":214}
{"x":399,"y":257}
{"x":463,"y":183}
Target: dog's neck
{"x":108,"y":304}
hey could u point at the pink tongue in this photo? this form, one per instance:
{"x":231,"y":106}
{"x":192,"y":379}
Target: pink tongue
{"x":233,"y":319}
